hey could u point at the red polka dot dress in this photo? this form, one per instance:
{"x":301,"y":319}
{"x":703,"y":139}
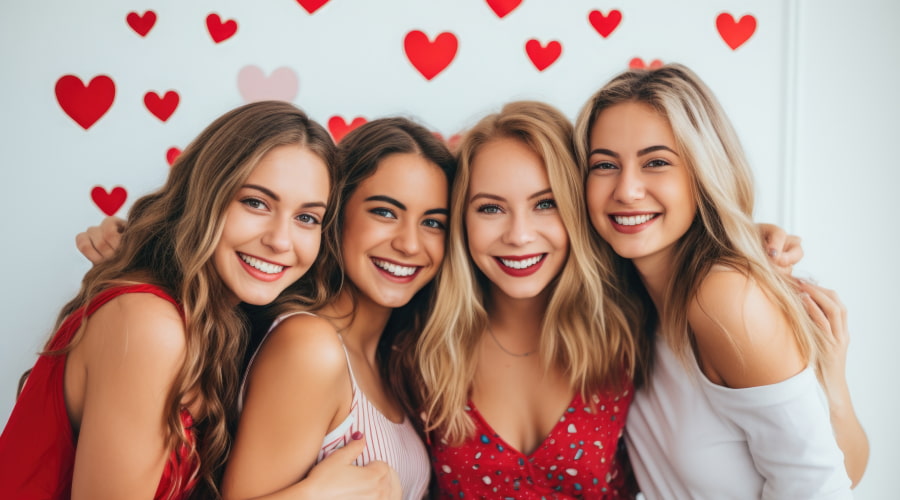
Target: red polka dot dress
{"x":578,"y":459}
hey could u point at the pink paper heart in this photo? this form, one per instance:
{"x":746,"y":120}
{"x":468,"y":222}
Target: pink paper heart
{"x":254,"y":85}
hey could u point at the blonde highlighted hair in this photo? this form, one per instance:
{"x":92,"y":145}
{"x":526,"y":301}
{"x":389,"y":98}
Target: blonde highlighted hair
{"x":723,"y":231}
{"x":583,"y":331}
{"x":169,"y":241}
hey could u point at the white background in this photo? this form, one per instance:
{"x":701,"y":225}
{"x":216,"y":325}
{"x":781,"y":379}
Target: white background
{"x":813,"y":95}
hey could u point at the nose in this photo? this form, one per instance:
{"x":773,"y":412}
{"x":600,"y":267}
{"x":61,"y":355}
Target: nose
{"x":407,"y":240}
{"x":520,"y":230}
{"x":630,"y":186}
{"x":278,"y":234}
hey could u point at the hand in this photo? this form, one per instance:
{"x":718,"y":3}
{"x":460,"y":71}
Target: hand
{"x":337,"y":477}
{"x":828,"y":312}
{"x":99,"y":243}
{"x":783,"y":249}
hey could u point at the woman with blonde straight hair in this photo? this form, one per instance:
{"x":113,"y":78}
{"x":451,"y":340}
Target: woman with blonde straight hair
{"x":733,"y":406}
{"x":526,"y":359}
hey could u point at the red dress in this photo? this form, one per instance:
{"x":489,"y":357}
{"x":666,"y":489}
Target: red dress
{"x":578,"y":459}
{"x":37,"y":449}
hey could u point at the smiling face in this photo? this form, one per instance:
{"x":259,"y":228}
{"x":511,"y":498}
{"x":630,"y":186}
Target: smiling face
{"x":273,"y":225}
{"x":639,"y":191}
{"x":394,"y":229}
{"x":516,"y":236}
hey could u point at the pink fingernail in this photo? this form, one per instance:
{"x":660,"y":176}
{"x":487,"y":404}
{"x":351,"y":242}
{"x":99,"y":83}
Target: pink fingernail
{"x":357,"y":435}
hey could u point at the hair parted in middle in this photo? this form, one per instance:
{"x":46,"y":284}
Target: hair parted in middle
{"x":583,"y":329}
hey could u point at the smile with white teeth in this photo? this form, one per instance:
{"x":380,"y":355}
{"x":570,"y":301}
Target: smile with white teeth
{"x":632,"y":220}
{"x":522,"y":264}
{"x":395,"y":269}
{"x":260,"y":265}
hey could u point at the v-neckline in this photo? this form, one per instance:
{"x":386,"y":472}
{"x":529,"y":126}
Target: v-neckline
{"x":553,"y":430}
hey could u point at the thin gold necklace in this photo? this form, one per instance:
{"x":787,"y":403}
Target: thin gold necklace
{"x":507,"y":351}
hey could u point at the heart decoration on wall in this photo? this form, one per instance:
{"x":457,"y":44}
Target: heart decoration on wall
{"x":312,"y":5}
{"x":141,"y":23}
{"x":161,"y":107}
{"x":172,"y":155}
{"x":735,"y":33}
{"x":339,"y":127}
{"x":254,"y":85}
{"x":605,"y":24}
{"x":218,"y":30}
{"x":543,"y":56}
{"x":638,"y":63}
{"x":430,"y":58}
{"x":85,"y":103}
{"x":503,"y":7}
{"x":109,"y":202}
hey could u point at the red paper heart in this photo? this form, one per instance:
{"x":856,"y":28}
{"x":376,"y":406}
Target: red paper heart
{"x":638,"y":63}
{"x":312,"y":5}
{"x":85,"y":104}
{"x":503,"y":7}
{"x":542,"y":57}
{"x":161,"y":107}
{"x":430,"y":58}
{"x":339,"y":128}
{"x":605,"y":25}
{"x":735,"y":33}
{"x":109,"y":202}
{"x":172,"y":155}
{"x":218,"y":30}
{"x":452,"y":143}
{"x":141,"y":24}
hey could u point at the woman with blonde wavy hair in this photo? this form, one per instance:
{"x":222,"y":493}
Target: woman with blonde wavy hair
{"x":526,"y":359}
{"x":733,"y":406}
{"x":133,"y":394}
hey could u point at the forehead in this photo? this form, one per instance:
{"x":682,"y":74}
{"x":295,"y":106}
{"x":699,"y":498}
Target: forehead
{"x":406,"y":176}
{"x":631,"y":123}
{"x":290,"y":168}
{"x":507,"y":165}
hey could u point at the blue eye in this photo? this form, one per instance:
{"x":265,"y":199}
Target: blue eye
{"x":434,"y":224}
{"x":489,"y":209}
{"x":546,"y":204}
{"x":254,"y":203}
{"x":659,"y":162}
{"x":309,"y":219}
{"x":383,"y":212}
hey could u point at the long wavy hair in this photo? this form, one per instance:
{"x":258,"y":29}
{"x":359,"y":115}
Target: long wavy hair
{"x":584,"y":332}
{"x":723,"y":231}
{"x":169,"y":241}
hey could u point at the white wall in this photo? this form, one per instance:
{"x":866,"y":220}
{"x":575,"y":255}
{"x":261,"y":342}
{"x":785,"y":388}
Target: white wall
{"x":835,"y":62}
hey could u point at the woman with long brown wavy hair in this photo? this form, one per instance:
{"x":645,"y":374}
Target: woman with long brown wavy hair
{"x":132,"y":395}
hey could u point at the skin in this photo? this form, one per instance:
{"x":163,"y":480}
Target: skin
{"x":636,"y":169}
{"x":299,"y":387}
{"x":114,"y":407}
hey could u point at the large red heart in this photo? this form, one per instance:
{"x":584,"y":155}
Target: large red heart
{"x":735,"y":33}
{"x":85,"y":104}
{"x":638,"y":63}
{"x":542,"y":56}
{"x":311,"y":5}
{"x":339,"y":127}
{"x":172,"y":155}
{"x":141,"y":24}
{"x":161,"y":107}
{"x":503,"y":7}
{"x":430,"y":58}
{"x":218,"y":30}
{"x":109,"y":202}
{"x":605,"y":25}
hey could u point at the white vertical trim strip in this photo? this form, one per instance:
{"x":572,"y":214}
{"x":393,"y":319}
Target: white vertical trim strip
{"x":789,"y":124}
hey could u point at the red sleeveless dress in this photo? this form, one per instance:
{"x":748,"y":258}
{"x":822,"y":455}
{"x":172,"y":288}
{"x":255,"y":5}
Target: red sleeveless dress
{"x":37,"y":447}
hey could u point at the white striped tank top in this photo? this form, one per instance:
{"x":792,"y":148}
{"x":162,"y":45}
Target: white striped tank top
{"x":396,"y":444}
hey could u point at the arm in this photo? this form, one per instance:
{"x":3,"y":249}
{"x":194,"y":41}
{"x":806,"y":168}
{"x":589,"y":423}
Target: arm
{"x":126,"y":364}
{"x":826,"y":309}
{"x":298,"y":389}
{"x":98,"y":243}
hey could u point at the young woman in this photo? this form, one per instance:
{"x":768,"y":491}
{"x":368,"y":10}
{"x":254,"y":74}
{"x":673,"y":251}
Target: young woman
{"x":732,"y":407}
{"x":131,"y":396}
{"x":526,"y":358}
{"x":325,"y":376}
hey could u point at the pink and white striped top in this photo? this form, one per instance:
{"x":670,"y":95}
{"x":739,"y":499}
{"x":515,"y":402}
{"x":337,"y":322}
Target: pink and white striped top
{"x":396,"y":444}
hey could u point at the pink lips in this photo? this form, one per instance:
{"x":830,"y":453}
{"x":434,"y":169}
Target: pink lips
{"x":256,"y":273}
{"x":528,"y":271}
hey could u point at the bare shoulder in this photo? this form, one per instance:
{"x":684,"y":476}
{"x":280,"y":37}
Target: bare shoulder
{"x":302,"y":345}
{"x":743,"y":339}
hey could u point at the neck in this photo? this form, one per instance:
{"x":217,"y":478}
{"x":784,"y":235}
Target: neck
{"x":655,"y":272}
{"x":516,"y":323}
{"x":362,"y":327}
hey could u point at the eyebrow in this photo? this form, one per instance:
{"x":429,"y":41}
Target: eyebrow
{"x":271,"y":194}
{"x":640,"y":152}
{"x":401,"y":206}
{"x":500,"y":198}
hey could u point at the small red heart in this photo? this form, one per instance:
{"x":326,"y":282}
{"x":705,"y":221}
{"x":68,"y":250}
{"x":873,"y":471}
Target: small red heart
{"x":605,"y":25}
{"x":339,"y":128}
{"x":503,"y":7}
{"x":85,"y":103}
{"x":312,"y":5}
{"x":542,"y":57}
{"x":638,"y":63}
{"x":161,"y":107}
{"x":430,"y":58}
{"x":141,"y":24}
{"x":452,"y":142}
{"x":172,"y":155}
{"x":735,"y":33}
{"x":218,"y":30}
{"x":109,"y":202}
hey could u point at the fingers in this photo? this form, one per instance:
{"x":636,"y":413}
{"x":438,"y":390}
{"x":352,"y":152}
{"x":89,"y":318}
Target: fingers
{"x":348,"y":453}
{"x":791,"y":252}
{"x":84,"y":245}
{"x":99,"y":243}
{"x":829,"y":305}
{"x":773,"y":239}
